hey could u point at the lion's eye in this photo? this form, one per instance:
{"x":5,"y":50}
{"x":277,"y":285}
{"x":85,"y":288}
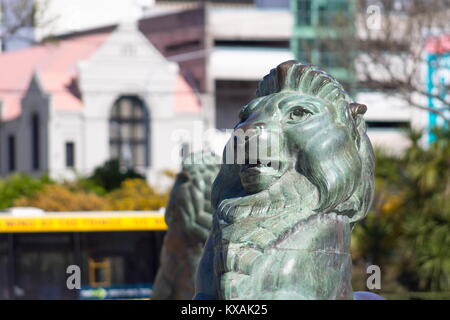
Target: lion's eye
{"x":299,"y":113}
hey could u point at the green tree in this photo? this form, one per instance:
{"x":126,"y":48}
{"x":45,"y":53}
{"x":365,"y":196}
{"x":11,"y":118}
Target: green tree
{"x":426,"y":212}
{"x":136,"y":194}
{"x":407,"y":232}
{"x":20,"y":185}
{"x":57,"y":197}
{"x":110,"y":175}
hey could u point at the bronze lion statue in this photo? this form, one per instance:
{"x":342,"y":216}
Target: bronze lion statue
{"x":189,"y":219}
{"x":283,"y":215}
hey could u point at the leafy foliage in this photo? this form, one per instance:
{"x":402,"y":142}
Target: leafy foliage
{"x":86,"y":185}
{"x":109,"y":188}
{"x":407,"y":232}
{"x":136,"y":194}
{"x":20,"y":185}
{"x":110,"y":176}
{"x":60,"y":198}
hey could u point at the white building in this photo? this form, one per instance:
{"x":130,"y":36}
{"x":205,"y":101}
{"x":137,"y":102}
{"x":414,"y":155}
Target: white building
{"x":244,"y":42}
{"x":54,"y":17}
{"x":248,"y":42}
{"x":69,"y":106}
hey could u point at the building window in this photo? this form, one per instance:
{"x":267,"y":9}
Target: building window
{"x":11,"y":153}
{"x":304,"y":12}
{"x":35,"y":141}
{"x":129,"y":132}
{"x":334,"y":14}
{"x":393,"y":125}
{"x":70,"y":154}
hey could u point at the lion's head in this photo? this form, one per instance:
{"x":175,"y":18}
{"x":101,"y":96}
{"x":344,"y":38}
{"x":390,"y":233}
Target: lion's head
{"x":297,"y":174}
{"x":189,"y":206}
{"x":302,"y":121}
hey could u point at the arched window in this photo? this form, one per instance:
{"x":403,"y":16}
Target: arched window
{"x":129,"y":132}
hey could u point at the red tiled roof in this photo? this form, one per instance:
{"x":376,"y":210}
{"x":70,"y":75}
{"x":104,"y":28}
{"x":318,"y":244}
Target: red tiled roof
{"x":56,"y":67}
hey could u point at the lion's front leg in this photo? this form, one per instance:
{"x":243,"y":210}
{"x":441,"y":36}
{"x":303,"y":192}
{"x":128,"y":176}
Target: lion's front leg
{"x":295,"y":264}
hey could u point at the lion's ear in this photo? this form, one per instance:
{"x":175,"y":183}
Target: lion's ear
{"x":357,"y":108}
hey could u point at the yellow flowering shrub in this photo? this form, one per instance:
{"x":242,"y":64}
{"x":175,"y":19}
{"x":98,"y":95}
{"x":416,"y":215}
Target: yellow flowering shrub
{"x":136,"y":194}
{"x":56,"y":197}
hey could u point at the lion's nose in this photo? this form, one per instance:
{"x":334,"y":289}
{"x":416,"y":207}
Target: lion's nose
{"x":249,"y":130}
{"x":252,"y":126}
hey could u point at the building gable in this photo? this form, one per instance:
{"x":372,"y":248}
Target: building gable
{"x":127,"y":61}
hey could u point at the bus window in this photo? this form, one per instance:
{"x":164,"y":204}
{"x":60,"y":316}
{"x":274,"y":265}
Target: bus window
{"x":40,"y":263}
{"x":4,"y":264}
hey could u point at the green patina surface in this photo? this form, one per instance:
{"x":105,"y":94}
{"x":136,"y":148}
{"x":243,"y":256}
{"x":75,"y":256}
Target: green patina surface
{"x":283,"y":215}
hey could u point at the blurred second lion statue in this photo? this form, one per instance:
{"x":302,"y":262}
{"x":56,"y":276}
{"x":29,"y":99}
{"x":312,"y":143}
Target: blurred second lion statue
{"x":189,"y":219}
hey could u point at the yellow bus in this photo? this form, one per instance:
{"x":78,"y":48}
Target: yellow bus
{"x":117,"y":253}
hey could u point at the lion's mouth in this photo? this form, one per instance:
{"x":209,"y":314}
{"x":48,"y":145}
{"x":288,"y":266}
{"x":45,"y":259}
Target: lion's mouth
{"x":262,"y":166}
